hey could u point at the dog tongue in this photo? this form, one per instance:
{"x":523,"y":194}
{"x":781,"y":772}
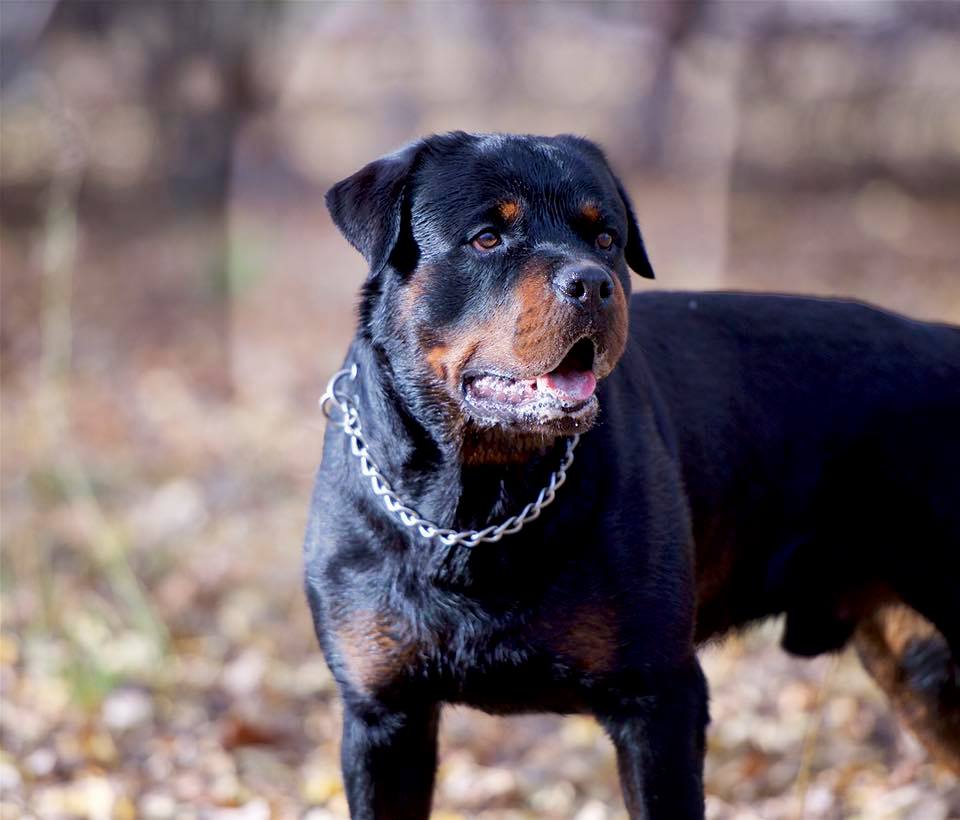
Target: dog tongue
{"x":570,"y":385}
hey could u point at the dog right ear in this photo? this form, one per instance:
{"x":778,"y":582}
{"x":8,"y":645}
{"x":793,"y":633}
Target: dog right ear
{"x":635,"y":252}
{"x":368,"y":206}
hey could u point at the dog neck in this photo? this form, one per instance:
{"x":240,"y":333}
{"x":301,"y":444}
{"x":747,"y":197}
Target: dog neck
{"x":458,"y":482}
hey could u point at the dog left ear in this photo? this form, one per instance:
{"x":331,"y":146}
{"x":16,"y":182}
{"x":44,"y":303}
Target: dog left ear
{"x":635,"y":252}
{"x":367,"y":207}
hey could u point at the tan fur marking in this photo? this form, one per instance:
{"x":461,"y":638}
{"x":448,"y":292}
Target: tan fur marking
{"x":931,"y":710}
{"x":537,"y":311}
{"x":493,"y":446}
{"x":617,"y":330}
{"x":373,"y":650}
{"x":589,"y":639}
{"x":509,"y":210}
{"x":590,"y":211}
{"x":435,"y":360}
{"x":412,"y":293}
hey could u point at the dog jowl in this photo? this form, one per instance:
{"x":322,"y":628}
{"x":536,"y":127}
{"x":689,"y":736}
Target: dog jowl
{"x":495,"y":311}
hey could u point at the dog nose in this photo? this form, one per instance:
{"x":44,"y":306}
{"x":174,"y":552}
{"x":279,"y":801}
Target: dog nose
{"x":587,"y":285}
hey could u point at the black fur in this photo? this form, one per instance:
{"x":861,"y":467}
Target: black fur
{"x":808,"y":448}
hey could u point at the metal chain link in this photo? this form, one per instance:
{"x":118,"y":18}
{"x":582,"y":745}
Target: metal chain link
{"x":350,"y":424}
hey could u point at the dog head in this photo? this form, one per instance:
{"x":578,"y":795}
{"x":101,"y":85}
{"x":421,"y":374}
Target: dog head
{"x":498,"y":282}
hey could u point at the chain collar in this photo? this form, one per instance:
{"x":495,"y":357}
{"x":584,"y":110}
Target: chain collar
{"x":349,"y":423}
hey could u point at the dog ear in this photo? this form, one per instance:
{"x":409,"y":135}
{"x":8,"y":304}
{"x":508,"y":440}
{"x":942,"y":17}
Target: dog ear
{"x":635,"y":252}
{"x":368,"y":206}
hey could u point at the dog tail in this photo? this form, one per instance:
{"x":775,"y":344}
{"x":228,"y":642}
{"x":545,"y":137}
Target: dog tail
{"x":913,"y":665}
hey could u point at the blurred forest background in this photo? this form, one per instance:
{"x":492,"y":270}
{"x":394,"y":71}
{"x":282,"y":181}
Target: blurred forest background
{"x":174,"y":298}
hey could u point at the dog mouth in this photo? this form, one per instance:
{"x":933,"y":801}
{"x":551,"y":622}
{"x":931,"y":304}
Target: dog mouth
{"x":566,"y":391}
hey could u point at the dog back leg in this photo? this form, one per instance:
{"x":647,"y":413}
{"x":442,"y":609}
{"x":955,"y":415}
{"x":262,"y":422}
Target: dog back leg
{"x":912,"y":662}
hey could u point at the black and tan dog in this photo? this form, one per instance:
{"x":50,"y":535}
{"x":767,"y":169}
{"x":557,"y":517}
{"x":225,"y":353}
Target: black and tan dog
{"x":741,"y":456}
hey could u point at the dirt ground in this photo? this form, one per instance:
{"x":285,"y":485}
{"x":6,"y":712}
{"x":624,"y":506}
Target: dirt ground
{"x":157,"y":656}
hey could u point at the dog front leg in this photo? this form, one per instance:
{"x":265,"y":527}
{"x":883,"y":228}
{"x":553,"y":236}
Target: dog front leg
{"x":660,"y":743}
{"x":389,"y":758}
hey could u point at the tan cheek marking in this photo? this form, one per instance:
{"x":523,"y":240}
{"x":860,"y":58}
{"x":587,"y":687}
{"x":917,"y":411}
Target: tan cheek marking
{"x":509,"y":210}
{"x":448,"y":360}
{"x":531,"y":329}
{"x":412,"y":293}
{"x":436,"y":360}
{"x":516,"y":335}
{"x":372,"y":650}
{"x":540,"y":329}
{"x":531,"y":297}
{"x":617,"y":329}
{"x":467,"y":351}
{"x":619,"y":324}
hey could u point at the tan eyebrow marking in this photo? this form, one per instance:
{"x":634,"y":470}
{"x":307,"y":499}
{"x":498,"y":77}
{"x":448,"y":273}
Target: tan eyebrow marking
{"x":590,"y":211}
{"x":509,"y":209}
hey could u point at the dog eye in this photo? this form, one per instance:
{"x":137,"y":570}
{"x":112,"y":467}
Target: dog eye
{"x":604,"y":241}
{"x":485,"y":241}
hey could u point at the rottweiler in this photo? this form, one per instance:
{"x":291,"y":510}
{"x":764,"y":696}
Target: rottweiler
{"x":539,"y":493}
